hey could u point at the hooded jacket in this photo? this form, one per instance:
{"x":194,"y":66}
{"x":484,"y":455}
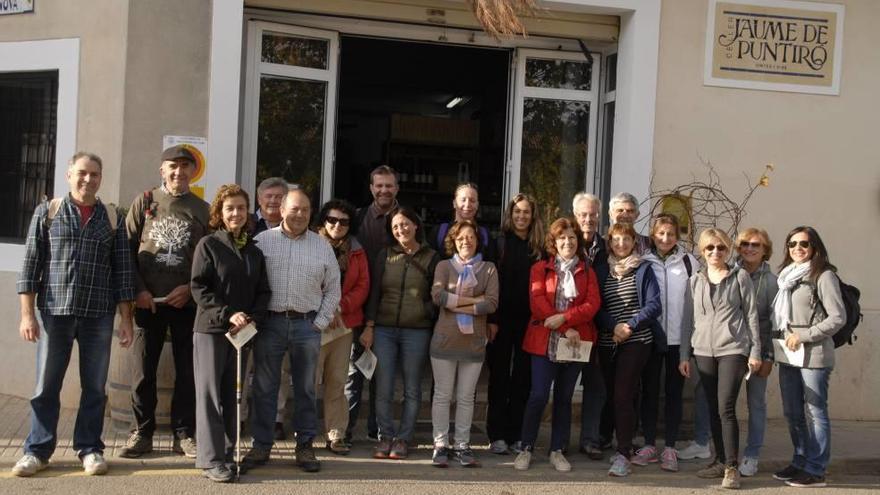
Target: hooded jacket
{"x":672,"y":277}
{"x":764,"y":282}
{"x":724,"y":324}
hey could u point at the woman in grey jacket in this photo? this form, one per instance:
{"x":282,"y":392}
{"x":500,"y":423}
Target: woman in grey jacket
{"x":755,"y":248}
{"x":725,"y":343}
{"x":808,"y":312}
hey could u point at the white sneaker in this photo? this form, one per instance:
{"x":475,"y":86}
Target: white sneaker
{"x":94,"y":464}
{"x":559,"y":461}
{"x":695,"y":451}
{"x":523,"y":460}
{"x":29,"y":465}
{"x":748,"y":467}
{"x":498,"y":447}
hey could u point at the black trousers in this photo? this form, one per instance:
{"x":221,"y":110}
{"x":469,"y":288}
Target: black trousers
{"x":722,"y":378}
{"x":622,"y":368}
{"x":673,"y":386}
{"x":509,"y":382}
{"x":146,"y":350}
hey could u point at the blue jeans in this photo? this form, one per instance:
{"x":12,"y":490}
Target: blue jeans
{"x":592,"y":403}
{"x":562,"y":377}
{"x":94,"y":337}
{"x":805,"y":405}
{"x":279,"y":335}
{"x":701,"y":414}
{"x":756,"y":391}
{"x":406,"y":348}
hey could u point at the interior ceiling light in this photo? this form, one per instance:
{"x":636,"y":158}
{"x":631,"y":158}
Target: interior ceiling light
{"x":456,"y":101}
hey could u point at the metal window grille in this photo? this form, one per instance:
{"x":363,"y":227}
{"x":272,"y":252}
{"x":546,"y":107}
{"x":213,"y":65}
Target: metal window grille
{"x":28,"y":121}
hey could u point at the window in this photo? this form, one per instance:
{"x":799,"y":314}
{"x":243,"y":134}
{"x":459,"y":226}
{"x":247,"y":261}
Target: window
{"x":29,"y":118}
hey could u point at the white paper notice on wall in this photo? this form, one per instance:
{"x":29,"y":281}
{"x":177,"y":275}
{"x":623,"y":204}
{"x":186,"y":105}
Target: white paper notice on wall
{"x":787,"y":356}
{"x":199,"y":148}
{"x":16,"y":6}
{"x":775,"y":45}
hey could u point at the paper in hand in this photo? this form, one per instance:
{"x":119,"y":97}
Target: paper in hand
{"x":367,"y":363}
{"x":785,"y":355}
{"x":566,"y":353}
{"x":243,"y":336}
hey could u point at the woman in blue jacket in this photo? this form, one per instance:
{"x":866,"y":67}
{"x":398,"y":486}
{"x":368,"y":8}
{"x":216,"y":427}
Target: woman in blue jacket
{"x":628,"y":331}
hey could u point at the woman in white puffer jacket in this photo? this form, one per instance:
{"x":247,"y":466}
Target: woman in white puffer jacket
{"x":673,"y":266}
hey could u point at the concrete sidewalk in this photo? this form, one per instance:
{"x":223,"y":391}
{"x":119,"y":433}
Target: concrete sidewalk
{"x":855,"y":448}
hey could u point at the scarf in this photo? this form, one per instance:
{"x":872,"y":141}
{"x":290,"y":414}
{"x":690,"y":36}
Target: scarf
{"x":788,"y":279}
{"x":341,"y":248}
{"x":241,"y":240}
{"x":565,"y":273}
{"x":464,"y":286}
{"x":620,"y":268}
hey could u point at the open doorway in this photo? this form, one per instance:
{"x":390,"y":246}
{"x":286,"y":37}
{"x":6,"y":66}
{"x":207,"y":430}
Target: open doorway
{"x":437,"y":113}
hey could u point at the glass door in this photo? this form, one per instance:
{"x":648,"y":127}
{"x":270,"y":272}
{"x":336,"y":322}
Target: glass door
{"x":554,"y":127}
{"x":290,"y":107}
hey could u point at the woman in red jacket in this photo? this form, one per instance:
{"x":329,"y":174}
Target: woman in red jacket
{"x":564,"y":297}
{"x":335,"y":225}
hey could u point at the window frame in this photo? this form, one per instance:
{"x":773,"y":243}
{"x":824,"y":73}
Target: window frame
{"x":61,"y":55}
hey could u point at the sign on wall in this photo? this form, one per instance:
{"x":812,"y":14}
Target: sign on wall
{"x":16,"y":6}
{"x":199,"y":148}
{"x":776,"y":45}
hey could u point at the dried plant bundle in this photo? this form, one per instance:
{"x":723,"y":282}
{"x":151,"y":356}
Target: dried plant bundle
{"x":501,"y":18}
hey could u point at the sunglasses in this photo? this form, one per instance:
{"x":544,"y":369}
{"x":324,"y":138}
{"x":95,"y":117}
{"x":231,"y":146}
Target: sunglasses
{"x":345,"y":222}
{"x":712,"y":247}
{"x":755,"y":245}
{"x":803,"y":244}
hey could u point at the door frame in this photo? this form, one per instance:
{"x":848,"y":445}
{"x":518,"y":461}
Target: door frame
{"x":256,"y":68}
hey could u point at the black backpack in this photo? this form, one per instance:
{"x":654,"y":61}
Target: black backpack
{"x":852,"y":310}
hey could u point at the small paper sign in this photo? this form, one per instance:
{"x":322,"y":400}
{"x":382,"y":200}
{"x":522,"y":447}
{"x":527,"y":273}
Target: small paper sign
{"x":367,"y":363}
{"x":565,"y":352}
{"x":243,"y":336}
{"x":785,"y":355}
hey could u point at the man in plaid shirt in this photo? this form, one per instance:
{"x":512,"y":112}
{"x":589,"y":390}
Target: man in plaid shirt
{"x":78,"y":269}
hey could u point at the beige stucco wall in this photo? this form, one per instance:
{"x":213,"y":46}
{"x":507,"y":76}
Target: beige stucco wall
{"x":143,"y":73}
{"x":827,"y":166}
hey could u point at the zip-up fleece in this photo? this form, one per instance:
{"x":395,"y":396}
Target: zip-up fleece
{"x":672,"y":277}
{"x":226,"y":280}
{"x":816,"y":334}
{"x":400,"y":288}
{"x":766,"y":288}
{"x":723,"y":325}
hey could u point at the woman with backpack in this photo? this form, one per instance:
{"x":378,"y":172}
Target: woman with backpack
{"x":466,"y":204}
{"x":673,"y":265}
{"x":520,"y":245}
{"x":399,"y":318}
{"x":809,"y":310}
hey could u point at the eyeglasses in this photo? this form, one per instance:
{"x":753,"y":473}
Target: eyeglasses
{"x":755,"y":245}
{"x":345,"y":222}
{"x":802,"y":244}
{"x":712,"y":247}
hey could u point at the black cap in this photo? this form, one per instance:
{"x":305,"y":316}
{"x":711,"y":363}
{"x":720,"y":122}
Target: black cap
{"x":178,"y":152}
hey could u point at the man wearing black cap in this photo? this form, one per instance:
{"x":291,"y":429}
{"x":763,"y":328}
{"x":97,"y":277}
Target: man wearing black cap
{"x":164,"y":225}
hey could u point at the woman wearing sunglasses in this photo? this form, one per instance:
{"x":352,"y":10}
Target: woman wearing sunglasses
{"x":725,"y":343}
{"x":628,"y":325}
{"x":808,"y":311}
{"x":754,"y":249}
{"x":334,"y":224}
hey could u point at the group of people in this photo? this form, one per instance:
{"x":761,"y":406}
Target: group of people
{"x":372,"y":280}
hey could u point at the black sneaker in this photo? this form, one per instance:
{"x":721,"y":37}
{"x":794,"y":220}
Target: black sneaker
{"x":218,"y":473}
{"x":137,"y":445}
{"x":440,"y":458}
{"x":790,"y":472}
{"x":807,"y":480}
{"x":305,"y":458}
{"x":257,"y":456}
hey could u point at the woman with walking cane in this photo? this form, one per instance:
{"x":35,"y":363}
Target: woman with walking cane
{"x":230,"y":287}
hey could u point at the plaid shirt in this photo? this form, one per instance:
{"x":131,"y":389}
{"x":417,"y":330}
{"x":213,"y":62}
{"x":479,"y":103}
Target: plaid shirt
{"x":77,"y":270}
